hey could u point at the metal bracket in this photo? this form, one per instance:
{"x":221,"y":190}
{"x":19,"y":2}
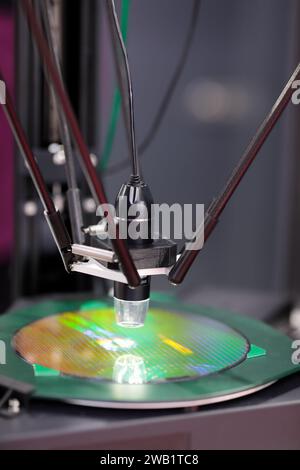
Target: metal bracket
{"x":94,"y":268}
{"x":94,"y":253}
{"x":95,"y":257}
{"x":14,"y":396}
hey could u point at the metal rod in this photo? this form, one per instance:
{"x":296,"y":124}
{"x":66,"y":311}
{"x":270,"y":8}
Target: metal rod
{"x":94,"y":182}
{"x":94,"y":253}
{"x":73,"y":194}
{"x":53,"y":217}
{"x":64,"y":130}
{"x":187,"y":258}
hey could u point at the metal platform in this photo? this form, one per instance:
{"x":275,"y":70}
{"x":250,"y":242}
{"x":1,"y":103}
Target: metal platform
{"x":268,"y":419}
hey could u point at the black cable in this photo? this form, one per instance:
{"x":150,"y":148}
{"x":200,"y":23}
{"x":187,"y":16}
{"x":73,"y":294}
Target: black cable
{"x":125,"y":83}
{"x":117,"y":167}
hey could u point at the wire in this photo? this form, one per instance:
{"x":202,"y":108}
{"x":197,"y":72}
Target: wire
{"x":163,"y":107}
{"x":115,"y":113}
{"x":125,"y":83}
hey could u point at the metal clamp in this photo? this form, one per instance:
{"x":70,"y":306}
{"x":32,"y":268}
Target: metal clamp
{"x":94,"y":253}
{"x":94,"y":268}
{"x":14,"y":396}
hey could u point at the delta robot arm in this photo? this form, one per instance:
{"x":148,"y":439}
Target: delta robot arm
{"x":129,"y":263}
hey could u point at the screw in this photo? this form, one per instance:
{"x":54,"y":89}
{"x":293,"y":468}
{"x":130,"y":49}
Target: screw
{"x":14,"y":406}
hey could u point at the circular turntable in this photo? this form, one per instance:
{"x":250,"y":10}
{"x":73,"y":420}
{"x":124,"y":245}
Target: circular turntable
{"x":183,"y":356}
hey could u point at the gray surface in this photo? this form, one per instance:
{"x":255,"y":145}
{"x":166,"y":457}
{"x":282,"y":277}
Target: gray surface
{"x":259,"y":304}
{"x":268,"y":419}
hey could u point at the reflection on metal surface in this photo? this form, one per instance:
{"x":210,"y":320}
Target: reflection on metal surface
{"x":130,"y":369}
{"x":170,"y":404}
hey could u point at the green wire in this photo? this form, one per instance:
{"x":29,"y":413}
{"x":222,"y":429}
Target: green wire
{"x":115,"y":113}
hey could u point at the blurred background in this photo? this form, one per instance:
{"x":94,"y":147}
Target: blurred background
{"x":241,"y":55}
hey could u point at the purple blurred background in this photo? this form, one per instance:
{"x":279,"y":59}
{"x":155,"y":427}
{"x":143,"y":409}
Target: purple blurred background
{"x":6,"y":141}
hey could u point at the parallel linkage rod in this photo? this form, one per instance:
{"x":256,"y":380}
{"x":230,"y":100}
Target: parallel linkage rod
{"x":188,"y":256}
{"x":94,"y":182}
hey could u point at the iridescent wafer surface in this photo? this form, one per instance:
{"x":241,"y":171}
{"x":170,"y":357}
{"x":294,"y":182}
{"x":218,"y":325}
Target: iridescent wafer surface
{"x":171,"y":346}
